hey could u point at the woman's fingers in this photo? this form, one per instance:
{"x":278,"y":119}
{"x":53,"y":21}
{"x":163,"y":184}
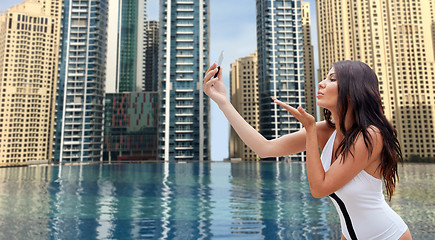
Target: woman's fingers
{"x":210,"y":83}
{"x":209,"y":74}
{"x":301,"y":110}
{"x":299,"y":113}
{"x":213,"y":66}
{"x":289,"y":108}
{"x":220,"y":73}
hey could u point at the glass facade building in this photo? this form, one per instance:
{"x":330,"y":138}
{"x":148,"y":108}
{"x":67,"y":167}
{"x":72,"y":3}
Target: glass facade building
{"x":130,"y":45}
{"x":80,"y":92}
{"x":280,"y":67}
{"x":184,"y":52}
{"x":151,"y":55}
{"x":130,"y":126}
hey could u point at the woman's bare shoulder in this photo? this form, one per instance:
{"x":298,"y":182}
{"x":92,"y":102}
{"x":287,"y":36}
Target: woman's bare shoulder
{"x":324,"y":131}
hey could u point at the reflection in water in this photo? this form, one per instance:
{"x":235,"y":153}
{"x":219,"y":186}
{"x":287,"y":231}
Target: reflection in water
{"x":166,"y":192}
{"x":132,"y":201}
{"x":274,"y":201}
{"x":187,"y":201}
{"x":414,"y":199}
{"x":246,"y":200}
{"x":105,"y":206}
{"x":24,"y":202}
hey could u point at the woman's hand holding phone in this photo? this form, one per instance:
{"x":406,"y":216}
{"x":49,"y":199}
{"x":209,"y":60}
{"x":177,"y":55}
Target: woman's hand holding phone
{"x":213,"y":83}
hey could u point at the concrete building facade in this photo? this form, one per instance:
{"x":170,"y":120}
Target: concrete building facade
{"x":29,"y":41}
{"x":396,"y":39}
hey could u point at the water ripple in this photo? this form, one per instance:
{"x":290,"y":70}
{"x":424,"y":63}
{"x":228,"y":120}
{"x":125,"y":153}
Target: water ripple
{"x":188,"y":201}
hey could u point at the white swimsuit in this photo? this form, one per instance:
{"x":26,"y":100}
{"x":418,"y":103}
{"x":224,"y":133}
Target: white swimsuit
{"x":364,"y":213}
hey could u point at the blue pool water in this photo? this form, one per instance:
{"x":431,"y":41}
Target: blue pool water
{"x":218,"y":200}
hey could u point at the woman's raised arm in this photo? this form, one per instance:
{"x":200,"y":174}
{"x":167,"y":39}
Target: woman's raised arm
{"x":285,"y":145}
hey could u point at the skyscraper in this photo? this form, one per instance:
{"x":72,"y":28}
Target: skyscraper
{"x":29,"y":41}
{"x":151,"y":55}
{"x":184,"y":125}
{"x":396,"y":39}
{"x":310,"y":83}
{"x":244,"y":97}
{"x":280,"y":66}
{"x":130,"y":45}
{"x":80,"y":98}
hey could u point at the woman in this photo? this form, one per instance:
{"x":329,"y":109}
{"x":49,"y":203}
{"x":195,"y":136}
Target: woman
{"x":359,"y":148}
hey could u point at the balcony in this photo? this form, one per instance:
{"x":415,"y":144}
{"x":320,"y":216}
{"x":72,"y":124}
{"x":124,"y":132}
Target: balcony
{"x":184,"y":114}
{"x":184,"y":148}
{"x":184,"y":9}
{"x":184,"y":40}
{"x":186,"y":3}
{"x":184,"y":105}
{"x":184,"y":71}
{"x":183,"y":90}
{"x":183,"y":156}
{"x":184,"y":123}
{"x":184,"y":56}
{"x":185,"y":17}
{"x":184,"y":25}
{"x":184,"y":79}
{"x":184,"y":63}
{"x":184,"y":33}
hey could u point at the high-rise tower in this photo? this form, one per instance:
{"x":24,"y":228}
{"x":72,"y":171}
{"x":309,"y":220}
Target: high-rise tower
{"x":151,"y":55}
{"x":80,"y":98}
{"x":29,"y":41}
{"x":184,"y":125}
{"x":396,"y":39}
{"x":130,"y":45}
{"x":280,"y":66}
{"x":310,"y":82}
{"x":244,"y":97}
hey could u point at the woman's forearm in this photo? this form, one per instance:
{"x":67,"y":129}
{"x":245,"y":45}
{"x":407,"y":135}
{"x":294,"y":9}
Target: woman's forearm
{"x":251,"y":137}
{"x":315,"y":171}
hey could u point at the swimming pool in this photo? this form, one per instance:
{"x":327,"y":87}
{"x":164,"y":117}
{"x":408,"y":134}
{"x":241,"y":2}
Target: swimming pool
{"x":217,"y":200}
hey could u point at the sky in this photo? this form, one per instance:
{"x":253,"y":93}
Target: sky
{"x":233,"y":30}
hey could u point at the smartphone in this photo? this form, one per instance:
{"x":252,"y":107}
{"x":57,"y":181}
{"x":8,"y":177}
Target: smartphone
{"x":219,"y":62}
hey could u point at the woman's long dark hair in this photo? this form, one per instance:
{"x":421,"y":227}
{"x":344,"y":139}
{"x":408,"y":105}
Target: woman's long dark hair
{"x":358,"y":86}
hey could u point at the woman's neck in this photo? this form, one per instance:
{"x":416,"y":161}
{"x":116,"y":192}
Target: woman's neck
{"x":349,"y":119}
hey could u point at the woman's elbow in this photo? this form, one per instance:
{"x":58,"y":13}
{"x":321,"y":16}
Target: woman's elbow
{"x":317,"y":194}
{"x":265,"y":151}
{"x":266,"y":154}
{"x":263,"y":154}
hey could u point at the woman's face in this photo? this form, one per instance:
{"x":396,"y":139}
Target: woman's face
{"x":328,"y":92}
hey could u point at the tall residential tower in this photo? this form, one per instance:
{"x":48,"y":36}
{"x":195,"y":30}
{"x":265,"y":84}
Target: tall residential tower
{"x":396,"y":39}
{"x":29,"y":42}
{"x":80,"y":98}
{"x":184,"y":53}
{"x":281,"y":70}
